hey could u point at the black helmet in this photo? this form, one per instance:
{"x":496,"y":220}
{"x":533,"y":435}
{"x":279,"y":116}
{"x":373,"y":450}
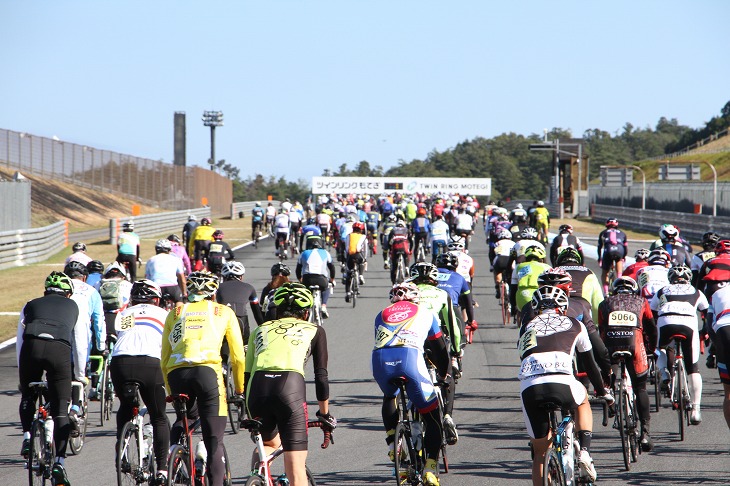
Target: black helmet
{"x":447,"y":260}
{"x":710,"y":239}
{"x":145,"y":290}
{"x":280,"y":269}
{"x":78,"y":246}
{"x":76,"y":269}
{"x":95,"y":266}
{"x":625,"y":285}
{"x":568,"y":255}
{"x":174,"y":238}
{"x":314,"y":241}
{"x":424,"y":272}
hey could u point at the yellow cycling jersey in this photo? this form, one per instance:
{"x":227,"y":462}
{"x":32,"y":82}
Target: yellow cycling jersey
{"x":200,"y":233}
{"x":542,"y":215}
{"x":193,"y":336}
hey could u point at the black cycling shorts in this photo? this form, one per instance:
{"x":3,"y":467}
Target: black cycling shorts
{"x":173,"y":291}
{"x":502,"y":264}
{"x":609,"y":257}
{"x":278,"y":400}
{"x":537,"y":418}
{"x":721,"y":340}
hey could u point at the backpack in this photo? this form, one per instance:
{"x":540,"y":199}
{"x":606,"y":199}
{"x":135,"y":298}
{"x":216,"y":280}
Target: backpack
{"x":111,"y":294}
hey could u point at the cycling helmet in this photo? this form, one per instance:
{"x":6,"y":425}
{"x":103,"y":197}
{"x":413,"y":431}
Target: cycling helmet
{"x":391,"y":218}
{"x":128,"y":226}
{"x":535,"y":253}
{"x":314,"y":241}
{"x":144,"y":291}
{"x":568,"y":255}
{"x":280,"y":269}
{"x":549,"y":297}
{"x":78,"y":247}
{"x":201,"y":285}
{"x":163,"y":245}
{"x":311,"y":221}
{"x":447,"y":260}
{"x":192,"y":217}
{"x":668,"y":232}
{"x":625,"y":285}
{"x":659,"y":257}
{"x":424,"y":272}
{"x":404,"y":291}
{"x":641,"y":255}
{"x":351,"y":218}
{"x":679,"y":274}
{"x":565,"y":228}
{"x":612,"y":223}
{"x":75,"y":269}
{"x":519,"y":206}
{"x":95,"y":266}
{"x":722,"y":246}
{"x":233,"y":270}
{"x":174,"y":239}
{"x":401,"y":224}
{"x":529,"y":233}
{"x":710,"y":239}
{"x":218,"y":234}
{"x":557,"y":277}
{"x":257,"y":204}
{"x":540,"y":203}
{"x":456,"y":244}
{"x":504,"y":234}
{"x":358,"y":226}
{"x":293,"y":296}
{"x":421,"y":212}
{"x":115,"y":269}
{"x":60,"y":283}
{"x":205,"y":221}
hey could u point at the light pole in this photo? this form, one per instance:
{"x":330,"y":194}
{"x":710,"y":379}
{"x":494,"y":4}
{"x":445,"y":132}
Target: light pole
{"x":212,"y":119}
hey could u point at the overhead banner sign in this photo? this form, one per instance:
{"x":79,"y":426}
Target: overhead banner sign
{"x":407,"y":185}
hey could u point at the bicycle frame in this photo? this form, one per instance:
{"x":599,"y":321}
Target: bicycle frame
{"x":679,"y":386}
{"x":315,"y":316}
{"x":43,"y":417}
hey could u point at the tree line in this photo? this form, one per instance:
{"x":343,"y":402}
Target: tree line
{"x":516,"y":172}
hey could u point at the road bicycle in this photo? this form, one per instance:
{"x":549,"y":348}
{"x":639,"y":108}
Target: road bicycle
{"x":504,"y":301}
{"x":256,"y":233}
{"x":77,"y":438}
{"x":135,"y":461}
{"x":235,"y":402}
{"x":408,"y":441}
{"x":560,"y":466}
{"x":99,"y":371}
{"x":421,"y":252}
{"x":183,"y":467}
{"x":400,"y":267}
{"x":315,"y":316}
{"x":41,"y":452}
{"x":354,"y":289}
{"x":437,"y":385}
{"x":626,"y":419}
{"x":438,"y":248}
{"x":678,"y":387}
{"x":372,"y":243}
{"x":283,"y":252}
{"x":261,"y":468}
{"x":655,"y":381}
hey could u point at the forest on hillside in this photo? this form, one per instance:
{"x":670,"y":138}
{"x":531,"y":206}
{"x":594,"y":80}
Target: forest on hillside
{"x":516,"y":172}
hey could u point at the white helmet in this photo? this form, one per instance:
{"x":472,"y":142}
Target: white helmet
{"x":233,"y":270}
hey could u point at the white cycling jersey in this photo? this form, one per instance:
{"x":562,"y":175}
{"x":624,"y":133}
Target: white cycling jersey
{"x":282,"y":223}
{"x":139,"y":330}
{"x":721,"y":308}
{"x":651,"y":279}
{"x":466,"y":263}
{"x":678,"y":304}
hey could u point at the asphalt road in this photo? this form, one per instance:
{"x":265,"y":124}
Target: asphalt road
{"x":492,"y":449}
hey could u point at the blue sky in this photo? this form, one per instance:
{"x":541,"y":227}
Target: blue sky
{"x":310,"y":85}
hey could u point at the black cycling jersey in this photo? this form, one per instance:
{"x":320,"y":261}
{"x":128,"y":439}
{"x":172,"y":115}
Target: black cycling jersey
{"x":237,"y":295}
{"x":51,"y":317}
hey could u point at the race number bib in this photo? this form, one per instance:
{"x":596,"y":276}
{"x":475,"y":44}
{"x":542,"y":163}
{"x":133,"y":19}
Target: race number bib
{"x":124,"y":324}
{"x":622,"y":318}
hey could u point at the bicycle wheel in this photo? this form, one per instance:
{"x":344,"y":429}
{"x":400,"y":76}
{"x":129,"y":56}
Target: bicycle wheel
{"x":178,"y":468}
{"x":552,"y":470}
{"x":77,"y":443}
{"x":128,"y":461}
{"x":310,"y":477}
{"x":38,"y":468}
{"x":108,"y":395}
{"x":404,"y":464}
{"x":255,"y":481}
{"x":657,"y":385}
{"x":633,"y":431}
{"x":504,"y":303}
{"x":234,"y":410}
{"x":102,"y":391}
{"x":621,"y":418}
{"x":679,"y":377}
{"x":228,"y":477}
{"x":355,"y":285}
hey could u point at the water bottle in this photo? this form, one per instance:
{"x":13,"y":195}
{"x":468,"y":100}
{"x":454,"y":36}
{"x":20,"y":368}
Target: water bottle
{"x":48,"y":426}
{"x":147,"y":435}
{"x":417,"y":434}
{"x":201,"y":455}
{"x":282,"y":480}
{"x":568,"y":453}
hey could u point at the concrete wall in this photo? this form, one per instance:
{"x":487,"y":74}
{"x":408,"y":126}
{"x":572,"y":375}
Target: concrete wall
{"x":15,"y":197}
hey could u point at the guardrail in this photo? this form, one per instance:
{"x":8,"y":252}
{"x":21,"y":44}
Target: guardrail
{"x":243,"y":209}
{"x":156,"y":224}
{"x":20,"y":247}
{"x":692,"y":226}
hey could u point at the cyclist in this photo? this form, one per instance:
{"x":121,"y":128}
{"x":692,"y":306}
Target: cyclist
{"x":167,"y":271}
{"x":279,"y":276}
{"x":281,"y":229}
{"x":48,"y":340}
{"x":585,"y":283}
{"x":518,"y":215}
{"x":191,"y":362}
{"x":655,"y":275}
{"x":199,"y":241}
{"x":324,"y":221}
{"x":642,"y":259}
{"x":235,"y":293}
{"x":310,"y":229}
{"x":399,"y":247}
{"x":90,"y":305}
{"x":439,"y":236}
{"x":526,"y":239}
{"x":402,"y":331}
{"x":96,"y":273}
{"x":675,"y":307}
{"x":128,"y":249}
{"x":497,"y":223}
{"x":188,"y":230}
{"x":464,"y":227}
{"x":179,"y":251}
{"x":425,"y":276}
{"x":709,"y":241}
{"x":373,"y":222}
{"x":315,"y":267}
{"x":551,"y":341}
{"x":388,"y":225}
{"x":270,"y":215}
{"x":612,"y":248}
{"x":79,"y":254}
{"x":542,"y":222}
{"x":257,"y":220}
{"x":524,"y":278}
{"x":713,"y":275}
{"x":564,"y":239}
{"x":295,"y":224}
{"x":457,"y":288}
{"x":669,"y":239}
{"x":217,"y":252}
{"x":501,"y":265}
{"x":627,"y":324}
{"x":720,"y":332}
{"x":114,"y":292}
{"x":275,"y":386}
{"x":466,"y":263}
{"x":420,"y":229}
{"x":136,"y":359}
{"x":356,"y":249}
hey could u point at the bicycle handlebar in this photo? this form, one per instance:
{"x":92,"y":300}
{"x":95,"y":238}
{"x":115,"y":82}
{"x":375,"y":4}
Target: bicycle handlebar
{"x":327,"y":433}
{"x":604,"y":405}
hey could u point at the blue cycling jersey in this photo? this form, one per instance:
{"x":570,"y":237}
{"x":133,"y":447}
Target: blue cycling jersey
{"x":258,"y":214}
{"x":311,"y":229}
{"x":453,"y":283}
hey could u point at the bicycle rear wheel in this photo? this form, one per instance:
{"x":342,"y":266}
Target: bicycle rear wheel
{"x":633,"y":431}
{"x":355,"y":288}
{"x":108,"y":395}
{"x":234,"y":408}
{"x":679,"y":377}
{"x":622,"y":417}
{"x":255,"y":481}
{"x":504,"y":303}
{"x":403,"y":459}
{"x":178,"y":468}
{"x":552,"y":471}
{"x":77,"y":443}
{"x":38,"y":469}
{"x":657,"y":377}
{"x":128,"y":461}
{"x":310,"y":477}
{"x":102,"y":391}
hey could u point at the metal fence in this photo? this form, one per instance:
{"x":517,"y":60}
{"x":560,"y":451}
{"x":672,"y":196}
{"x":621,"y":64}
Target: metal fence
{"x":150,"y":182}
{"x":20,"y":247}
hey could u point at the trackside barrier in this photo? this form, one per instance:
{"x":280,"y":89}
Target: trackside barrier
{"x":21,"y":247}
{"x":156,"y":224}
{"x":243,"y":209}
{"x":692,"y":226}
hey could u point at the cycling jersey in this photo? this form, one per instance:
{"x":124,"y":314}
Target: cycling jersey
{"x":524,"y":277}
{"x":421,"y":225}
{"x":188,"y":231}
{"x":457,"y":288}
{"x":411,"y":211}
{"x":405,"y":325}
{"x":561,"y":242}
{"x":464,"y":223}
{"x":257,"y":214}
{"x":680,"y":254}
{"x":585,"y":284}
{"x":626,"y":323}
{"x":678,"y":304}
{"x":282,"y":223}
{"x":139,"y":331}
{"x":202,"y":233}
{"x":127,"y":243}
{"x":652,"y":278}
{"x":180,"y":252}
{"x":295,"y":217}
{"x":612,"y":244}
{"x":466,"y":266}
{"x":439,"y":303}
{"x":714,"y":272}
{"x":217,"y":252}
{"x":518,"y":251}
{"x":311,"y":230}
{"x":633,"y":269}
{"x":439,"y":231}
{"x":542,"y":216}
{"x":503,"y":248}
{"x":238,"y":295}
{"x":163,"y":269}
{"x":270,"y":212}
{"x":699,"y":259}
{"x":91,"y":313}
{"x":315,"y":261}
{"x":323,"y":219}
{"x":356,"y":243}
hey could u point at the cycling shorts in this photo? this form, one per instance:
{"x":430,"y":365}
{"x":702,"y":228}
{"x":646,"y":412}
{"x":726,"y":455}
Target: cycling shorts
{"x":690,"y":346}
{"x":173,"y":291}
{"x":501,"y":264}
{"x":389,"y":363}
{"x":279,"y":401}
{"x":721,"y":340}
{"x":541,"y":225}
{"x":562,"y":390}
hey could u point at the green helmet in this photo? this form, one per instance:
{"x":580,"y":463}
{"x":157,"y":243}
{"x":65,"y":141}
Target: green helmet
{"x":59,"y":282}
{"x":293,"y":297}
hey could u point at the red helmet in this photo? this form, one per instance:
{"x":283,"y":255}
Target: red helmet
{"x":358,"y":226}
{"x":722,"y":246}
{"x":612,"y":223}
{"x":218,"y":234}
